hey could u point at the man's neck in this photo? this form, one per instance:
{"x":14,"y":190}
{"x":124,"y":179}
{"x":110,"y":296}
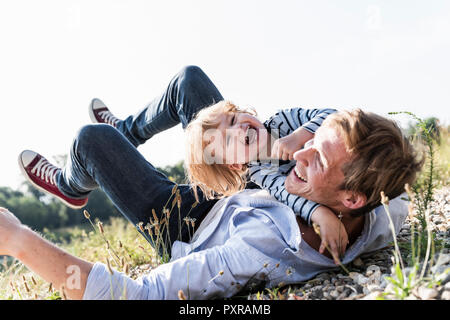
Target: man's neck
{"x":353,"y":226}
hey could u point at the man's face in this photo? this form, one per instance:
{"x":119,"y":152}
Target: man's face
{"x":317,"y":174}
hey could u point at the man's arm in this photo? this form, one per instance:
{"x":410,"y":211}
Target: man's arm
{"x":45,"y":259}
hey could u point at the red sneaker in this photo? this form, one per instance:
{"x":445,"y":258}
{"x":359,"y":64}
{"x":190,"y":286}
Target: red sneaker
{"x":99,"y":113}
{"x":42,"y":174}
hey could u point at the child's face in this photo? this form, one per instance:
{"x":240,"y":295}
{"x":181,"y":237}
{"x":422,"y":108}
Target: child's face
{"x":239,"y":139}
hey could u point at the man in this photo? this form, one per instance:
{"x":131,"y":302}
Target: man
{"x":245,"y":240}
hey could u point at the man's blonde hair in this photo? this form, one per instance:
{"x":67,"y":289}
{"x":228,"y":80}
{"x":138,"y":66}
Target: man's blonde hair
{"x":383,"y":159}
{"x":215,"y":180}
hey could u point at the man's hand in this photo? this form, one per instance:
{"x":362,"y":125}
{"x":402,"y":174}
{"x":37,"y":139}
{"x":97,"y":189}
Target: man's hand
{"x":10,"y":227}
{"x":284,"y":148}
{"x":332,"y":232}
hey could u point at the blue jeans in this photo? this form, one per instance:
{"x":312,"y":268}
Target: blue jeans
{"x":104,"y":157}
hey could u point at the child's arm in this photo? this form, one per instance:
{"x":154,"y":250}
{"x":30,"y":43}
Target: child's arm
{"x":272,"y":179}
{"x":286,"y":121}
{"x":332,"y":232}
{"x":284,"y":148}
{"x":294,"y":127}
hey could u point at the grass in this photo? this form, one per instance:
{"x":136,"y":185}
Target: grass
{"x":118,"y":243}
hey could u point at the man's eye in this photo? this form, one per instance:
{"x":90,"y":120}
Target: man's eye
{"x":318,"y":159}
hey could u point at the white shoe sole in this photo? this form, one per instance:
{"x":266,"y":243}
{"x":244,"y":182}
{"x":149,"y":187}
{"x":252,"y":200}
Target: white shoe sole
{"x":91,"y":110}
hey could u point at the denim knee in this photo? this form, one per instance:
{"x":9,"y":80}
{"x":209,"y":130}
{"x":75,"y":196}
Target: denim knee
{"x":189,"y":73}
{"x":94,"y":135}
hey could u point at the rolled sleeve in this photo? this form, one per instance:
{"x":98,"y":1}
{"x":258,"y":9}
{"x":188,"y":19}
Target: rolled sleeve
{"x":215,"y":272}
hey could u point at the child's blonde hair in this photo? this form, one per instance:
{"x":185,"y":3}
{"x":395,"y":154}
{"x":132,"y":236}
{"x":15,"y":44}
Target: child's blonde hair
{"x":215,"y":180}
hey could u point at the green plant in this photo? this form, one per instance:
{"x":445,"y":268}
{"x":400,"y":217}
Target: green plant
{"x":421,"y":196}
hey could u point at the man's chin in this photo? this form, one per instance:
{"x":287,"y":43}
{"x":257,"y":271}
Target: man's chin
{"x":292,"y":187}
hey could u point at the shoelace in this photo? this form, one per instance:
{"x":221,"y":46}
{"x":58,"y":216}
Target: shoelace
{"x":108,"y":117}
{"x":46,"y":171}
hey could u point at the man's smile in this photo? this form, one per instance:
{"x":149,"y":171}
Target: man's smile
{"x":299,"y":175}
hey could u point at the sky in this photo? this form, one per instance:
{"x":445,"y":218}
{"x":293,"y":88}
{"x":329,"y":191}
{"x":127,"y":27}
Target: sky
{"x":56,"y":55}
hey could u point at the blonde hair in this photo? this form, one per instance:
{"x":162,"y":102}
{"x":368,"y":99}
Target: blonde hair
{"x":383,"y":159}
{"x":215,"y":180}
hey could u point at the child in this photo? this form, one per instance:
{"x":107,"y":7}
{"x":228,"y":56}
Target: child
{"x":227,"y":144}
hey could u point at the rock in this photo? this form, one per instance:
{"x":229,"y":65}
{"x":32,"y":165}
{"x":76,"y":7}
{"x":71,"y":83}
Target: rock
{"x":323,"y":276}
{"x":334,"y":294}
{"x":366,"y":291}
{"x":442,"y":261}
{"x":359,"y":289}
{"x":371,"y":269}
{"x":343,"y":295}
{"x":358,"y":262}
{"x":374,"y":287}
{"x":361,"y":280}
{"x":427,"y":293}
{"x":317,"y":292}
{"x":445,"y":295}
{"x":372,"y":296}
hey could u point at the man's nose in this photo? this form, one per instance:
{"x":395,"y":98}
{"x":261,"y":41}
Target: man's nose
{"x":302,"y":156}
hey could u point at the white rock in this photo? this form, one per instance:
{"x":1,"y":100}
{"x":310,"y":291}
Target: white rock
{"x":372,"y":296}
{"x":374,"y":287}
{"x":427,"y":293}
{"x":362,"y":280}
{"x":334,"y":294}
{"x":445,"y":295}
{"x":358,"y":278}
{"x":371,"y":269}
{"x":354,"y":275}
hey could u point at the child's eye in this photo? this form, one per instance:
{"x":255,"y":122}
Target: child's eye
{"x":233,"y":119}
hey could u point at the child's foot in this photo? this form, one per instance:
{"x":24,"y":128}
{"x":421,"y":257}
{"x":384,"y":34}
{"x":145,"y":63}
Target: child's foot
{"x":42,"y":174}
{"x":99,"y":113}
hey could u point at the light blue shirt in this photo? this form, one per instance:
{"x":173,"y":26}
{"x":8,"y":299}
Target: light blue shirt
{"x":247,"y":239}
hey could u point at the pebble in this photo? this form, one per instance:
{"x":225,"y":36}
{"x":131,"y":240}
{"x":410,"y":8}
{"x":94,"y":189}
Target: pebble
{"x":427,"y":293}
{"x":334,"y":294}
{"x":358,"y":262}
{"x":445,"y":295}
{"x":372,"y":296}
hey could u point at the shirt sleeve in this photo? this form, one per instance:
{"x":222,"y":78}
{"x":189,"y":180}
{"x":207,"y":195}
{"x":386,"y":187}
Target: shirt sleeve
{"x":272,"y":178}
{"x":288,"y":120}
{"x":206,"y":274}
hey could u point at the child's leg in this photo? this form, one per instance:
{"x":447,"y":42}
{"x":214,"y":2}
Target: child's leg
{"x":188,"y":92}
{"x":102,"y":157}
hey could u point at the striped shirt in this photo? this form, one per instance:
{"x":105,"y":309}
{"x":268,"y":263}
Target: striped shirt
{"x":271,"y":176}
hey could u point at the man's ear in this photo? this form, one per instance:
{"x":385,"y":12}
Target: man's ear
{"x":235,"y":166}
{"x":354,"y":200}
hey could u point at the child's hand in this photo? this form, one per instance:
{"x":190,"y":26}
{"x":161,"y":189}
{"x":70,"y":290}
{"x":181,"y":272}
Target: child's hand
{"x":284,"y":148}
{"x":332,"y":232}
